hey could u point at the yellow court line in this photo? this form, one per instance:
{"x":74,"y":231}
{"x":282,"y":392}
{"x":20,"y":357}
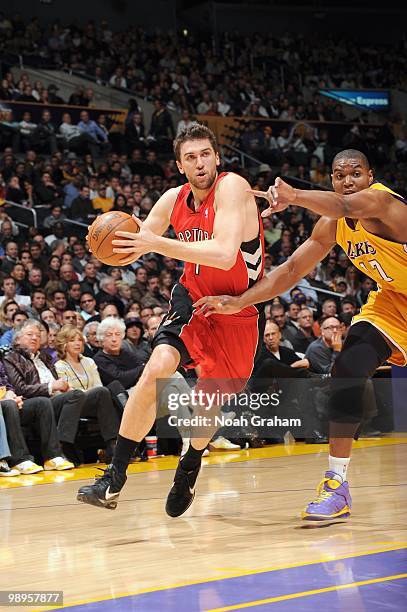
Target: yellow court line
{"x":260,"y":602}
{"x":170,"y":462}
{"x":239,"y":574}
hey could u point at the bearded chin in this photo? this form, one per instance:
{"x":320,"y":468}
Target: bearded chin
{"x":208,"y":183}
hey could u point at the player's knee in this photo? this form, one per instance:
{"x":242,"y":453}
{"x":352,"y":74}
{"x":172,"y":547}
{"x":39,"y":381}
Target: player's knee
{"x":161,"y":365}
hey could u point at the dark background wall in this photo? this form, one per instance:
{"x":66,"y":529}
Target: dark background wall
{"x":368,"y":21}
{"x":120,"y":13}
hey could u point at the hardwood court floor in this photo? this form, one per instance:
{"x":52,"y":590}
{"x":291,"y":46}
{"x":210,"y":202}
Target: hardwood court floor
{"x":240,"y":545}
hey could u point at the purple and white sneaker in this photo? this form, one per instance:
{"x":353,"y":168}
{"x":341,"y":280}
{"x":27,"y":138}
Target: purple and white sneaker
{"x":333,"y":500}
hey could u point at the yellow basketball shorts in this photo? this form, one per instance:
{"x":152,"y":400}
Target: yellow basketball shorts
{"x":387,"y":311}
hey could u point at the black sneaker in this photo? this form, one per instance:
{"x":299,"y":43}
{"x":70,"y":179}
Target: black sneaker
{"x":105,"y":490}
{"x":182,"y":491}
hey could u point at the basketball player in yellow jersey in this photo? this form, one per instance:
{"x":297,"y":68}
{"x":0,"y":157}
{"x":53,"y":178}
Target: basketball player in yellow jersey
{"x":369,"y":221}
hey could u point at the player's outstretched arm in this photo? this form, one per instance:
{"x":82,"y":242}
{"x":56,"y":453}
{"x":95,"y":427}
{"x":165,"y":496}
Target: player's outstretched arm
{"x":219,"y":252}
{"x":365,"y":204}
{"x":302,"y":261}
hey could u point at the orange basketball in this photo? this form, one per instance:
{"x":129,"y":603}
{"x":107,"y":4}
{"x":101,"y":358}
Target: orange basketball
{"x":102,"y":232}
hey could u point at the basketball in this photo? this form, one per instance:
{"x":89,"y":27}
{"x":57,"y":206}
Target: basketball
{"x":102,"y":232}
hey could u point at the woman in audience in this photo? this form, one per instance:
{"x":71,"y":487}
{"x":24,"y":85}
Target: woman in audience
{"x":81,"y":373}
{"x":7,"y":309}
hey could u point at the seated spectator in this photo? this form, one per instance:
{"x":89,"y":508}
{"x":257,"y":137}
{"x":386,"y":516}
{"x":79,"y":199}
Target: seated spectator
{"x":90,"y":282}
{"x":322,"y":353}
{"x":5,"y":452}
{"x":74,"y":294}
{"x":134,"y":339}
{"x":115,"y":360}
{"x":10,"y":255}
{"x":135,"y":133}
{"x":50,"y":344}
{"x":17,"y":319}
{"x":87,"y":304}
{"x":287,"y":329}
{"x":7,"y":309}
{"x":55,"y":216}
{"x":274,"y":355}
{"x":81,"y":208}
{"x":108,"y":310}
{"x":82,"y":374}
{"x":108,"y":293}
{"x":49,"y":315}
{"x":348,"y":305}
{"x":59,"y":302}
{"x":91,"y":128}
{"x":329,"y":309}
{"x":32,"y":376}
{"x":367,"y":285}
{"x":19,"y":274}
{"x":9,"y":291}
{"x":68,"y":318}
{"x":92,"y":344}
{"x":101,"y":202}
{"x":305,"y":334}
{"x":34,"y":412}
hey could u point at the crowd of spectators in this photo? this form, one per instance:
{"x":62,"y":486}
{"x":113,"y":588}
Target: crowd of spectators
{"x":75,"y":333}
{"x":197,"y":75}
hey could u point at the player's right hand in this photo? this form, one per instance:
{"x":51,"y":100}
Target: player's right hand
{"x":218,"y":304}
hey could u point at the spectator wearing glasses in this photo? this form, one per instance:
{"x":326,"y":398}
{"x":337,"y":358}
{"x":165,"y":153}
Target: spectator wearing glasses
{"x":322,"y":353}
{"x":87,"y":303}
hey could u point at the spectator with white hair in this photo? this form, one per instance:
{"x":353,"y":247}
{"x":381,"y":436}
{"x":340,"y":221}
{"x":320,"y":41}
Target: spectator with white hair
{"x":115,"y":360}
{"x":92,"y":344}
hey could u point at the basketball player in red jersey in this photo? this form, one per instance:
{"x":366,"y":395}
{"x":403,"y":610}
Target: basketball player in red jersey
{"x":219,"y":237}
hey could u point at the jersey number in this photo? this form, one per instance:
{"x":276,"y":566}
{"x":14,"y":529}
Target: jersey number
{"x":376,"y":266}
{"x":197,"y":268}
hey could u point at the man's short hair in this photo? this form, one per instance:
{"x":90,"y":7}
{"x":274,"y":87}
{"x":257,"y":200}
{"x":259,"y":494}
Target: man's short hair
{"x":198,"y":131}
{"x":347,"y":154}
{"x":19,"y":312}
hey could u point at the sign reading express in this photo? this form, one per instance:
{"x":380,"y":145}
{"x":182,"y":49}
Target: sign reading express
{"x":370,"y":99}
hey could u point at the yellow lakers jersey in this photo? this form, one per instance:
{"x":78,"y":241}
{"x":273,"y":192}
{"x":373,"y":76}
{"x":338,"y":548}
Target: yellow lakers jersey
{"x":382,"y":260}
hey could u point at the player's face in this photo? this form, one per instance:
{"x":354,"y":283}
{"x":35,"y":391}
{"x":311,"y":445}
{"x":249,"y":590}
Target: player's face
{"x":350,"y":176}
{"x":199,"y":162}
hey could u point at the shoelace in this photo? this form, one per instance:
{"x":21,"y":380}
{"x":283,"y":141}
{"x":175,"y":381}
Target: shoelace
{"x":323,"y":496}
{"x":99,"y":477}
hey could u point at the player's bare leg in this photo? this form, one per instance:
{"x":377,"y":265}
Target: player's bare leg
{"x":138,"y":418}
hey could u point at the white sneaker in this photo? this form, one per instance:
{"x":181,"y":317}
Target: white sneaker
{"x":206,"y":452}
{"x":6,"y":470}
{"x":28,"y":467}
{"x":59,"y":464}
{"x":221,"y":443}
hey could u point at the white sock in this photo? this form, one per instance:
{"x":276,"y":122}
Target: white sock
{"x":339,"y":465}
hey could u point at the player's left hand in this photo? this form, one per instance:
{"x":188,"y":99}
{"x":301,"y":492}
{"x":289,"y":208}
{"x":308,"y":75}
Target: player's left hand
{"x":279,"y":196}
{"x":135,"y":244}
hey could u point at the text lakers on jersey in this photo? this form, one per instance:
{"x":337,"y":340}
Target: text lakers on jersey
{"x":382,"y":260}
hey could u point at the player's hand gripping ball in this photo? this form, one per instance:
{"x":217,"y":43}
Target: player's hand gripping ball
{"x":102,"y":232}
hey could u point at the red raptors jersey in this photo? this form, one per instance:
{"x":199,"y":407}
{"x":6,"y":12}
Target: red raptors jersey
{"x":199,"y":280}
